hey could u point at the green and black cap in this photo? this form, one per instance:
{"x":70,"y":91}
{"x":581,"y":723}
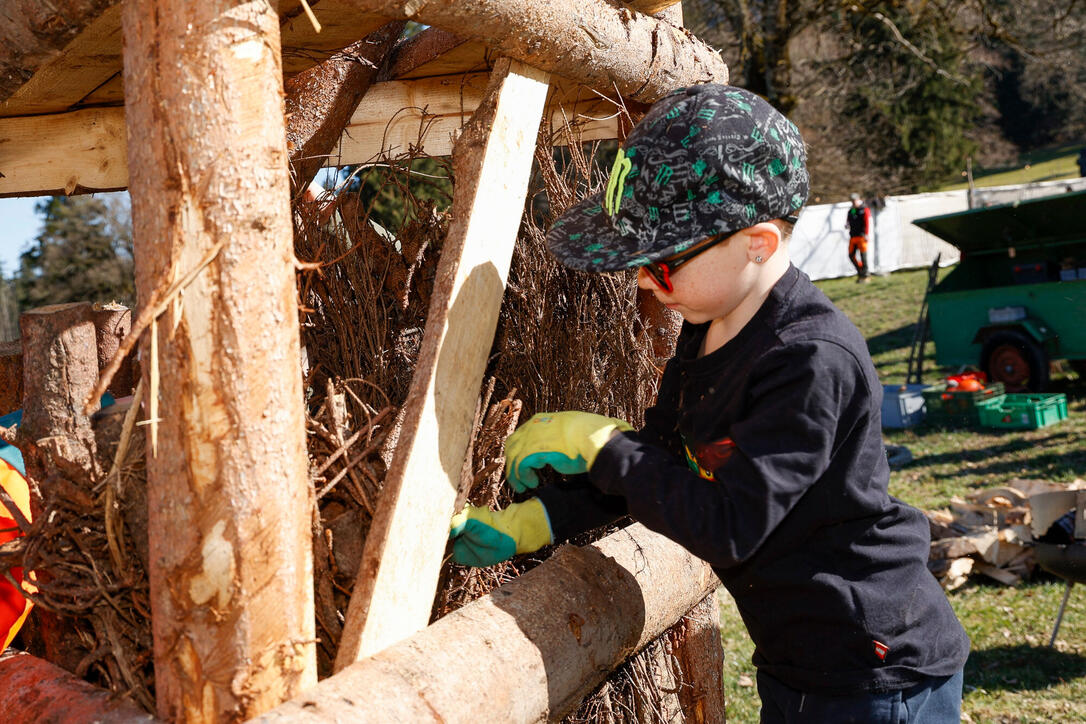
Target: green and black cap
{"x":705,"y":160}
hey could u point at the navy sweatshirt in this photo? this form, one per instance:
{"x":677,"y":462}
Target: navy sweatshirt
{"x":765,"y":458}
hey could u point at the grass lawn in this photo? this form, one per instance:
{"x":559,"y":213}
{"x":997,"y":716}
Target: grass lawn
{"x":1011,"y":676}
{"x":1050,"y":164}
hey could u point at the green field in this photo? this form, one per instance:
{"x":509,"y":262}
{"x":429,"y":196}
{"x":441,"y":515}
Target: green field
{"x":1011,"y":676}
{"x":1043,"y":165}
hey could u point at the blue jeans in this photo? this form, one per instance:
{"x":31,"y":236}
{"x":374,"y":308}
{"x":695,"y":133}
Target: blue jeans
{"x":936,"y":700}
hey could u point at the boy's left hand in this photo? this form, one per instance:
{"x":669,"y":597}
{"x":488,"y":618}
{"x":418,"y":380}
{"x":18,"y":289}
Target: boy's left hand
{"x":567,"y":441}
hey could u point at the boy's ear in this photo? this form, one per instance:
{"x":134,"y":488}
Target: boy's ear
{"x":762,"y":241}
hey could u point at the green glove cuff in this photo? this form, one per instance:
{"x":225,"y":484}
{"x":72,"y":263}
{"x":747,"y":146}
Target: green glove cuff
{"x":482,"y":537}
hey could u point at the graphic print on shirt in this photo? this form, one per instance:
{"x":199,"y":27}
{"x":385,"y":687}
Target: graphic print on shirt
{"x":704,"y":458}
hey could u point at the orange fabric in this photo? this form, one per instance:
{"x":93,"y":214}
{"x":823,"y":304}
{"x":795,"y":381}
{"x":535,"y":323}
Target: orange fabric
{"x":857,"y":242}
{"x":14,"y":607}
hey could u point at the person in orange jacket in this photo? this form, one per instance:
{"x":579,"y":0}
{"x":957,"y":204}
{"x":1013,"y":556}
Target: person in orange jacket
{"x":859,"y":226}
{"x":14,"y":606}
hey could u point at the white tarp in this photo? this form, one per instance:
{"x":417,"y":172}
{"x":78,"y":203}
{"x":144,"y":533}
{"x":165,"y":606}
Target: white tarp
{"x":819,"y":243}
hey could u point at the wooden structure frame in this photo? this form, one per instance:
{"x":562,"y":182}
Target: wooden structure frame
{"x":231,"y":566}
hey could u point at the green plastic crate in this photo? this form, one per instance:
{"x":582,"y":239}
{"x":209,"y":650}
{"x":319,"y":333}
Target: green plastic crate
{"x":1023,"y":411}
{"x":946,"y":407}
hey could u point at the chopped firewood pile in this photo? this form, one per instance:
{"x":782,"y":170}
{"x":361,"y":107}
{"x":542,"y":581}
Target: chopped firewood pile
{"x":988,"y":533}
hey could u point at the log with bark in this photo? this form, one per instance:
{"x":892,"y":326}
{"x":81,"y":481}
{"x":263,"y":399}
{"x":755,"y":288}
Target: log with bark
{"x":11,"y":376}
{"x":35,"y":32}
{"x":536,"y":646}
{"x":60,"y":367}
{"x":32,"y":691}
{"x":320,"y":100}
{"x":589,"y":41}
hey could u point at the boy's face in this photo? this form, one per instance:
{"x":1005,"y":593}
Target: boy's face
{"x":712,"y":284}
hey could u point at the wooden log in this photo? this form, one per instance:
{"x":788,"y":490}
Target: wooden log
{"x":112,"y":323}
{"x":36,"y":32}
{"x":398,"y":576}
{"x":33,"y":691}
{"x":535,"y":647}
{"x":11,"y":376}
{"x":60,"y":367}
{"x":695,"y":642}
{"x":321,"y":100}
{"x":231,"y":574}
{"x":589,"y":41}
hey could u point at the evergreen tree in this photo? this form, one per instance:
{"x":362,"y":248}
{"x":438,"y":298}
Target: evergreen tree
{"x":83,"y":253}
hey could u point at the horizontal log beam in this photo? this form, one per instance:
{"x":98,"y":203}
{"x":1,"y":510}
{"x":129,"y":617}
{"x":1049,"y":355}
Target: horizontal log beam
{"x":535,"y":647}
{"x":32,"y":690}
{"x":84,"y":151}
{"x":593,"y":42}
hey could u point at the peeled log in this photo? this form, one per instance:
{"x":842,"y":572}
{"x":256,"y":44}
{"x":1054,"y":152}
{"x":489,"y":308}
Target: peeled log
{"x":529,"y":651}
{"x":321,"y":100}
{"x":231,"y":568}
{"x":33,"y":691}
{"x":589,"y":41}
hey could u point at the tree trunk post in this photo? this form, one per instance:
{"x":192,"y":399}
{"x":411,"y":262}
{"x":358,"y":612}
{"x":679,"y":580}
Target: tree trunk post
{"x":231,"y":568}
{"x":11,"y":376}
{"x":112,"y":323}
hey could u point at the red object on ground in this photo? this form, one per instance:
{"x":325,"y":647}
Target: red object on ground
{"x":967,"y":378}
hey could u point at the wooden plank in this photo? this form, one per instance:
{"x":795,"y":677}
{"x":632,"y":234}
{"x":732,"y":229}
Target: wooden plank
{"x":341,"y":25}
{"x":65,"y":153}
{"x":83,"y":151}
{"x":399,"y":572}
{"x":91,"y":59}
{"x":528,"y":651}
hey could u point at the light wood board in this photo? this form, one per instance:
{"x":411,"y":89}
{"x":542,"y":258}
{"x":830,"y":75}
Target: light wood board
{"x":398,"y":575}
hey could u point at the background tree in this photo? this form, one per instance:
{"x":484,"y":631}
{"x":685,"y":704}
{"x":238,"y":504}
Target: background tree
{"x":894,"y":96}
{"x":83,"y":253}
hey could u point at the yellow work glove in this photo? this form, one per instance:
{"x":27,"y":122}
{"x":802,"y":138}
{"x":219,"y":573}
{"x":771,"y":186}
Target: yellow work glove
{"x":482,"y":537}
{"x":567,"y":441}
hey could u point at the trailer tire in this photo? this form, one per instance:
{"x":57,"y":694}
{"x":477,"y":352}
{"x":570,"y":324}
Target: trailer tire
{"x":1015,"y":360}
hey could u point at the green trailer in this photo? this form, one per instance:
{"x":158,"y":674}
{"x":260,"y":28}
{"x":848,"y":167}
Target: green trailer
{"x":1017,"y":299}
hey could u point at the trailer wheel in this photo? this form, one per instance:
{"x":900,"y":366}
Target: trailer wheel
{"x":1015,"y":360}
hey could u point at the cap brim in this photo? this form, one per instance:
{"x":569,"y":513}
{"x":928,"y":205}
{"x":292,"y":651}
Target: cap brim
{"x":584,"y":238}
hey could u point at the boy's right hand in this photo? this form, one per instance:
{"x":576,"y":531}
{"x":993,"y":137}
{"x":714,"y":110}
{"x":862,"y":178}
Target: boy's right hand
{"x":483,"y":537}
{"x":567,"y":441}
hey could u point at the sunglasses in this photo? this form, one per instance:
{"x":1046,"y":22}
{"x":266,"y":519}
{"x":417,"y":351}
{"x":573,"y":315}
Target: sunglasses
{"x":661,"y":271}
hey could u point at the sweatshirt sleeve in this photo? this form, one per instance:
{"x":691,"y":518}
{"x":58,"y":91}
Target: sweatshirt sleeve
{"x":764,"y":463}
{"x":574,"y":506}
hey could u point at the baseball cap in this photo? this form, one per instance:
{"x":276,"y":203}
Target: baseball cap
{"x":855,"y":196}
{"x":705,"y":160}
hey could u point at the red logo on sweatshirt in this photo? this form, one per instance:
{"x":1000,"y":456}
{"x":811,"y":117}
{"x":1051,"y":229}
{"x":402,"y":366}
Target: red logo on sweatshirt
{"x":707,"y":457}
{"x":880,"y":649}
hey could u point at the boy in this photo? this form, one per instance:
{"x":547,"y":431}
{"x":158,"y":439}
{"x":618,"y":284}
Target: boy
{"x":763,"y":454}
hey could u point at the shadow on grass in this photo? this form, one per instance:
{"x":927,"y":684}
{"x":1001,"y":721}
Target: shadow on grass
{"x":900,"y":338}
{"x":1000,"y":459}
{"x":1021,"y":667}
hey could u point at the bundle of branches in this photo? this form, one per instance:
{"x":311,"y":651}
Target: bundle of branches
{"x":365,"y":292}
{"x":89,"y":547}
